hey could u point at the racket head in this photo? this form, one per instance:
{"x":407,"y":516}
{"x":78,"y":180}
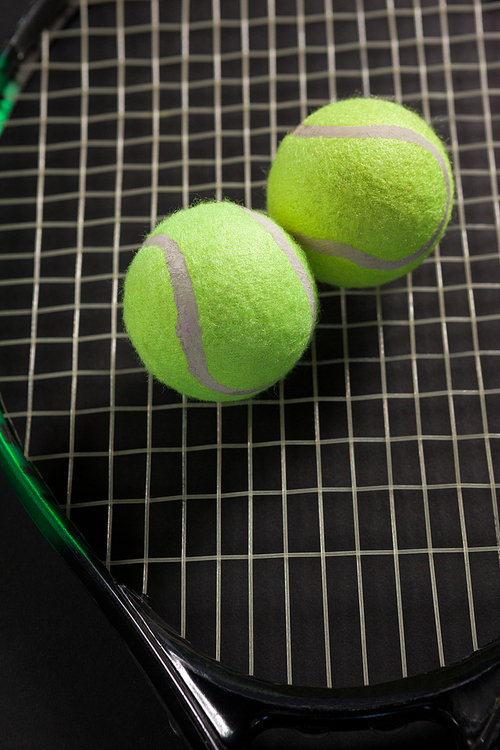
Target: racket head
{"x":361,"y":311}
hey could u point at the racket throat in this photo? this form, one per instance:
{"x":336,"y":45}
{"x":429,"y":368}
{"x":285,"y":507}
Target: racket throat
{"x":213,"y":707}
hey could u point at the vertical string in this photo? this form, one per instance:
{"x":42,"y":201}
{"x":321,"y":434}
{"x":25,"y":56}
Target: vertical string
{"x":185,"y":44}
{"x":84,"y":82}
{"x":354,"y":490}
{"x":37,"y":251}
{"x":321,"y":518}
{"x":392,"y":507}
{"x":445,"y":40}
{"x":155,"y":150}
{"x":284,"y":520}
{"x":120,"y":136}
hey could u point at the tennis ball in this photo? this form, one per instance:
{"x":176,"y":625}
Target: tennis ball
{"x":219,"y":302}
{"x":366,"y":187}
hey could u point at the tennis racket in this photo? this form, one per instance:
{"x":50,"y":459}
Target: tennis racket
{"x":326,"y":556}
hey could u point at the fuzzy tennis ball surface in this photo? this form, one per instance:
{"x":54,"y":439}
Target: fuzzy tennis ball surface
{"x":366,"y":187}
{"x":219,"y":302}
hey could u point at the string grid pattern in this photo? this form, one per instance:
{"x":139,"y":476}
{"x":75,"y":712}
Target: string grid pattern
{"x":343,"y":527}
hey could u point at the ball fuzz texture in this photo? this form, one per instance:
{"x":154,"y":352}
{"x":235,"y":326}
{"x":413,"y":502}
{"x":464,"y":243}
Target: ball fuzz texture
{"x":366,"y":187}
{"x":219,"y":302}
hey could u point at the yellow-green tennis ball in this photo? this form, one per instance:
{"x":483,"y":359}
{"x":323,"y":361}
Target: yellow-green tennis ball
{"x":219,"y":302}
{"x":366,"y":187}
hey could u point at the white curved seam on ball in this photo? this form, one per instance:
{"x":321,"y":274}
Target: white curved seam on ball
{"x":188,"y":328}
{"x":394,"y":132}
{"x":289,"y":252}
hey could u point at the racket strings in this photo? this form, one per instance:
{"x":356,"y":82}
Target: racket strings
{"x":343,"y":528}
